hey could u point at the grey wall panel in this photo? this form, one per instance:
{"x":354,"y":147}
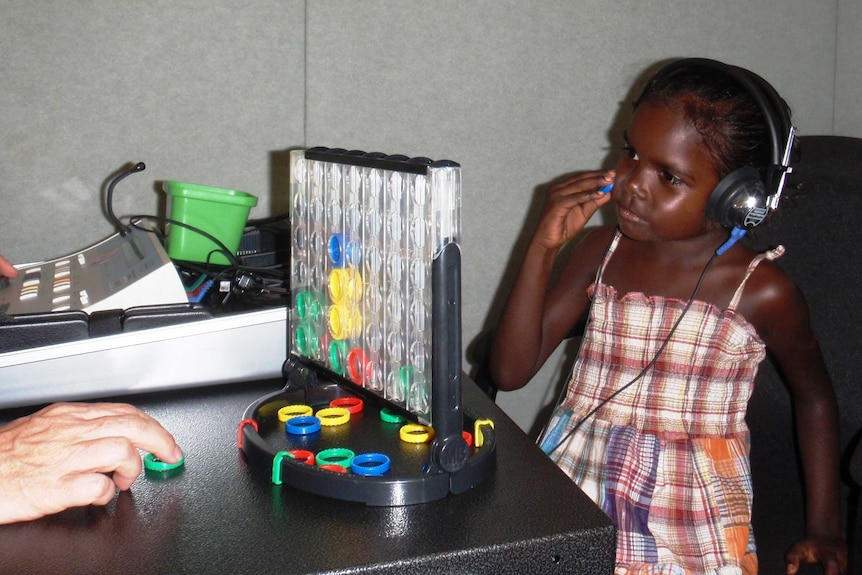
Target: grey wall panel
{"x":201,"y":91}
{"x":848,"y":85}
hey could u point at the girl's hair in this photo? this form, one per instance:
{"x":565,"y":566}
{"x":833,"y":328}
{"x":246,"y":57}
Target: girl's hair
{"x":723,"y":112}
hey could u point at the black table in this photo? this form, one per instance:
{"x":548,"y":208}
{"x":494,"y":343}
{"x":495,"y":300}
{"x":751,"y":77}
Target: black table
{"x":221,"y":515}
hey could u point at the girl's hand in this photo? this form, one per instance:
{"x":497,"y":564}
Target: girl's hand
{"x":831,"y":552}
{"x":569,"y":206}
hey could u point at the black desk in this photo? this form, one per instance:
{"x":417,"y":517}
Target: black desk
{"x":222,"y":516}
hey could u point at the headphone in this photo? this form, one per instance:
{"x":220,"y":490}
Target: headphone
{"x":747,"y":195}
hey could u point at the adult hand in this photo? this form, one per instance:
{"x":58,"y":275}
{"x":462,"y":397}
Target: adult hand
{"x":7,"y":269}
{"x":75,"y":454}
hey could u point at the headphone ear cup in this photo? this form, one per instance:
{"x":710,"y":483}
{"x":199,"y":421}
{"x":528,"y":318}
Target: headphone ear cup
{"x":739,"y":200}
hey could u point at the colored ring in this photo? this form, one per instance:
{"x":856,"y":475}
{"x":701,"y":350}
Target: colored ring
{"x":358,"y":365}
{"x":468,"y":437}
{"x":351,"y":404}
{"x":336,"y":250}
{"x":304,"y":301}
{"x":302,"y":425}
{"x":153,"y":463}
{"x":288,"y":412}
{"x":242,"y":424}
{"x":335,"y":456}
{"x":276,"y":466}
{"x":416,"y":433}
{"x":338,"y":356}
{"x":477,"y":431}
{"x":306,"y":339}
{"x":332,"y":416}
{"x":333,"y":467}
{"x":338,"y":285}
{"x":302,"y":455}
{"x":344,"y":321}
{"x":389,"y":416}
{"x":370,"y":464}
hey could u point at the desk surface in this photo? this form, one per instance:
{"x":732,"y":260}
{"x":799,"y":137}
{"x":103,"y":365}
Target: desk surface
{"x":222,"y":516}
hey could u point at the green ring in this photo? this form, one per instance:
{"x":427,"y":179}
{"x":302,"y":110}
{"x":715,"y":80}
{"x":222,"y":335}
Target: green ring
{"x":335,"y":456}
{"x":153,"y":463}
{"x":337,"y":350}
{"x":389,"y":416}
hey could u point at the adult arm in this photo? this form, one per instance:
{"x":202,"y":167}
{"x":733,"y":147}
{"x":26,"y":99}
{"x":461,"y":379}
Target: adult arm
{"x":75,"y":454}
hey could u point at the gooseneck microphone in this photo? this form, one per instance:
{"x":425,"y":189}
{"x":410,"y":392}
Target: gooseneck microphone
{"x":109,"y":196}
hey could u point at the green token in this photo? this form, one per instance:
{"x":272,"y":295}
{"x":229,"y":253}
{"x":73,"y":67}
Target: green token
{"x":389,"y":416}
{"x":335,"y":455}
{"x":153,"y":463}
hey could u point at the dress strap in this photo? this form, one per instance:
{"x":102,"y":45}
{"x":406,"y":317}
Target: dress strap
{"x":770,"y":255}
{"x":608,"y":253}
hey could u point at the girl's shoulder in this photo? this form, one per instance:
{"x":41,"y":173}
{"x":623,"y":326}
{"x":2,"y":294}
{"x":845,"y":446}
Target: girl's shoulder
{"x":770,"y":295}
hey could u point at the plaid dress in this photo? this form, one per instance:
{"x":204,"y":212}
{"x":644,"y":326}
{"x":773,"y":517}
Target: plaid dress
{"x":666,"y":458}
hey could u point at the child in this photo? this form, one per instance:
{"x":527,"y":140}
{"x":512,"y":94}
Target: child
{"x":652,"y":425}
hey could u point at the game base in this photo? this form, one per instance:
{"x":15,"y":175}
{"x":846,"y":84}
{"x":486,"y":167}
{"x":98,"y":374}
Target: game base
{"x":411,"y":478}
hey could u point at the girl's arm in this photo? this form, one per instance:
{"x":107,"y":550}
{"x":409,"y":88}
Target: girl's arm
{"x":534,"y":321}
{"x":783,"y":323}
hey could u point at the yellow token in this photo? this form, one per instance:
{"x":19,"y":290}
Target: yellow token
{"x":416,"y":433}
{"x":291,"y":411}
{"x":478,"y":437}
{"x":330,"y":416}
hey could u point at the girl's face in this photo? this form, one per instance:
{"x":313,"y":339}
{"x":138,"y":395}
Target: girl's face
{"x":664,"y":179}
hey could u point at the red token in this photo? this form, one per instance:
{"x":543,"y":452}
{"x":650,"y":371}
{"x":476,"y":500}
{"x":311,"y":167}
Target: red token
{"x":351,"y":404}
{"x":302,"y":455}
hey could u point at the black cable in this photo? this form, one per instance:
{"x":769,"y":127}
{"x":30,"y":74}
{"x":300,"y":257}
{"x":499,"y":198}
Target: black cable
{"x":642,"y":372}
{"x":235,"y":271}
{"x":222,"y":249}
{"x":109,"y":196}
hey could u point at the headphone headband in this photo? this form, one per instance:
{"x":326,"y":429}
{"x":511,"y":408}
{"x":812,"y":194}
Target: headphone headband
{"x":728,"y":204}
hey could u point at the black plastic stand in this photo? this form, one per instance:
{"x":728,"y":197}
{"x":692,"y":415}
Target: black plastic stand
{"x":420,"y":472}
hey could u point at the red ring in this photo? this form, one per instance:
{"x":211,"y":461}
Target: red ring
{"x":357,"y":361}
{"x":351,"y":404}
{"x":242,"y":424}
{"x":468,"y":437}
{"x":303,"y":455}
{"x":333,"y":467}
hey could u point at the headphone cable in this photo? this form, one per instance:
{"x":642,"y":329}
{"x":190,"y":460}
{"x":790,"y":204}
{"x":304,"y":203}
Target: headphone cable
{"x":551,"y":443}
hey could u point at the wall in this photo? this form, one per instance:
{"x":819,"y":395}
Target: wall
{"x":200,"y":91}
{"x":214,"y":92}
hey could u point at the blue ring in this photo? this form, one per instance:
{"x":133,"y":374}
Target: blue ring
{"x":302,"y":425}
{"x":370,"y":464}
{"x":336,"y":249}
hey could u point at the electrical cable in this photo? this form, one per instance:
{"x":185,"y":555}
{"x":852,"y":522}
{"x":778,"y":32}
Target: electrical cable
{"x":109,"y":196}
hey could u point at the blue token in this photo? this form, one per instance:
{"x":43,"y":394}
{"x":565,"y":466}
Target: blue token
{"x":302,"y":425}
{"x":370,"y":464}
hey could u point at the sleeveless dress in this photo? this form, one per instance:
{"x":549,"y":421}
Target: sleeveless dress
{"x":666,"y":458}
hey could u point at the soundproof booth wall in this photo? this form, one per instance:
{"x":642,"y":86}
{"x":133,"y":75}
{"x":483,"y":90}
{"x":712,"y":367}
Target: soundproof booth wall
{"x":519,"y":93}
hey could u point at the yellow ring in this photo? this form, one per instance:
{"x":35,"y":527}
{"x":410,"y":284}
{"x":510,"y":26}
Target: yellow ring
{"x":416,"y":433}
{"x":291,"y":411}
{"x":332,"y":416}
{"x":478,"y":437}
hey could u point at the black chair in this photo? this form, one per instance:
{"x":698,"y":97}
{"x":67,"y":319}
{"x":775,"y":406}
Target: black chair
{"x":820,"y":224}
